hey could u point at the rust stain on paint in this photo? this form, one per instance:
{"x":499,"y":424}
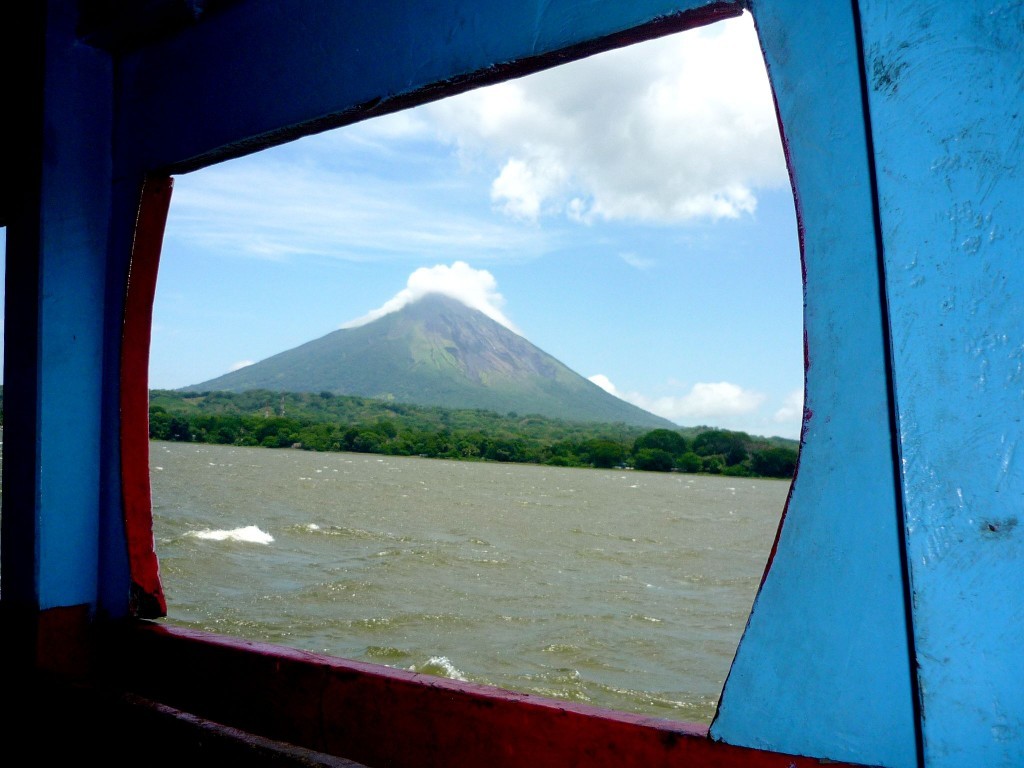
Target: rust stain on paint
{"x":998,"y":529}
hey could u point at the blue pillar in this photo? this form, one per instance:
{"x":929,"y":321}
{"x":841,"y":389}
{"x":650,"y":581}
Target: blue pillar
{"x":56,"y":345}
{"x":947,"y":110}
{"x":823,"y":668}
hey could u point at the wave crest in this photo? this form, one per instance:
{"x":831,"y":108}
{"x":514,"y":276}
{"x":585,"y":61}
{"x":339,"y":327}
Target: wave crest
{"x":249,"y":534}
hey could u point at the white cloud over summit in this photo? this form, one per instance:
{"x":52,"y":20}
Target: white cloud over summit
{"x":670,"y":130}
{"x":476,"y":288}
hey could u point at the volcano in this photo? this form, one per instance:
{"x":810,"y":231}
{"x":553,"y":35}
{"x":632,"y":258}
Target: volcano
{"x":437,"y":352}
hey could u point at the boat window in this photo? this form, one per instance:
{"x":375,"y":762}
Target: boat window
{"x":610,"y":248}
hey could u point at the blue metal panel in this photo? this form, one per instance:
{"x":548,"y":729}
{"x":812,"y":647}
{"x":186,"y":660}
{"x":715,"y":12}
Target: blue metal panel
{"x":948,"y":119}
{"x":273,"y":67}
{"x":72,"y":218}
{"x":823,"y":668}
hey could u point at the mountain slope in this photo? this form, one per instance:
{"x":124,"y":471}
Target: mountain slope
{"x":437,"y":351}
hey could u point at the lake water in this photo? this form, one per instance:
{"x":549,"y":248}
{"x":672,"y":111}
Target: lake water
{"x":621,"y":589}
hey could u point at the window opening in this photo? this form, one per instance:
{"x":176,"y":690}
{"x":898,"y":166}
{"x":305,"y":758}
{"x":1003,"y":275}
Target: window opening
{"x":629,"y":215}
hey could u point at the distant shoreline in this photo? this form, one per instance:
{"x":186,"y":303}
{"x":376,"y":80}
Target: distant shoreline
{"x":342,"y":423}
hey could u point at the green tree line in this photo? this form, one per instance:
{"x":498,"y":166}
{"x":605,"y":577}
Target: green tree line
{"x":328,"y":422}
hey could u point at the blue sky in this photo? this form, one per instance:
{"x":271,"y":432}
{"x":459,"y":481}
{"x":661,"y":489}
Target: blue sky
{"x":629,"y":214}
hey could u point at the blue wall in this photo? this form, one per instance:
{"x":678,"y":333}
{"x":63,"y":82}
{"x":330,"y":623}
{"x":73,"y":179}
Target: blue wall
{"x":946,"y":98}
{"x":824,"y":665}
{"x":887,"y":630}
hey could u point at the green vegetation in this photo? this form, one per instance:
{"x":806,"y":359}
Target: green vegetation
{"x":328,"y":422}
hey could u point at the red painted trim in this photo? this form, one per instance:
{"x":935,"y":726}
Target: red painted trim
{"x":147,"y":597}
{"x":61,"y":637}
{"x":381,"y":716}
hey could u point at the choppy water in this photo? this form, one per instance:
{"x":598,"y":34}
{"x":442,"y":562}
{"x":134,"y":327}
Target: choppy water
{"x":621,"y":589}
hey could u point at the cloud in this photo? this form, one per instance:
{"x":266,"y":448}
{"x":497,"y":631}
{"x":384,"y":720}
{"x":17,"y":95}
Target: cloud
{"x":605,"y":383}
{"x":635,"y":261}
{"x":476,"y":288}
{"x":711,"y":403}
{"x":792,"y":410}
{"x":241,"y":364}
{"x":406,"y":124}
{"x":521,"y":189}
{"x":302,"y":201}
{"x":666,"y":131}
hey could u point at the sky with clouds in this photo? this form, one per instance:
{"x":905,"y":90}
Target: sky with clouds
{"x":629,"y":214}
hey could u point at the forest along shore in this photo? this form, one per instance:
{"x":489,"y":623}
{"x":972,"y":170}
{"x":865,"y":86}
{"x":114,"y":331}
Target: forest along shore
{"x":328,"y":422}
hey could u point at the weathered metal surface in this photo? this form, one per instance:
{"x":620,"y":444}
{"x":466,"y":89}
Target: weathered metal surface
{"x":823,"y":667}
{"x":54,"y":330}
{"x":947,"y":113}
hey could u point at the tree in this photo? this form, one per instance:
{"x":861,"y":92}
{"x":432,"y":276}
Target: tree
{"x":179,"y":429}
{"x":774,"y":462}
{"x":326,"y":422}
{"x":653,"y":460}
{"x":661,"y":439}
{"x":603,"y":453}
{"x":367,"y":441}
{"x":159,"y":424}
{"x":713,"y":465}
{"x":738,"y":470}
{"x":689,"y":462}
{"x":731,"y":445}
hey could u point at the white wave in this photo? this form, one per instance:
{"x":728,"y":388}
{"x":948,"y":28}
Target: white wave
{"x":440,"y":666}
{"x":250,"y":534}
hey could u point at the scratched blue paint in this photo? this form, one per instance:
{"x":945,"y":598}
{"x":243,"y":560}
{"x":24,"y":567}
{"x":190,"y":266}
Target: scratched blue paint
{"x":823,"y":667}
{"x":948,"y":114}
{"x":72,"y":219}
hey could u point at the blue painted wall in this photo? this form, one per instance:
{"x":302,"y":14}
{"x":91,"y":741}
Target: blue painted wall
{"x":946,"y":86}
{"x":71,"y":220}
{"x":823,"y":668}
